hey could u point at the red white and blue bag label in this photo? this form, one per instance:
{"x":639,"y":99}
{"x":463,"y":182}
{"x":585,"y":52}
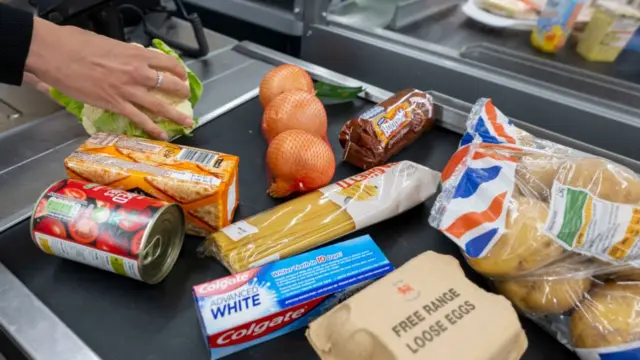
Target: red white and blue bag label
{"x":478,"y":182}
{"x":630,"y":351}
{"x":489,"y":125}
{"x":251,"y":307}
{"x":476,"y":208}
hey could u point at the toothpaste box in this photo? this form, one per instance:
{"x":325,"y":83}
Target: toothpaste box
{"x":257,"y":305}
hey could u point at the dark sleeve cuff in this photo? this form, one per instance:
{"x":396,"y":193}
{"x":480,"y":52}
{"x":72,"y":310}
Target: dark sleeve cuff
{"x":16,"y":29}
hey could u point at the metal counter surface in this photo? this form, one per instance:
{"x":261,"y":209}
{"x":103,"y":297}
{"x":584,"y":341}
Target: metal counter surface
{"x":121,"y":318}
{"x":393,"y":64}
{"x":453,"y":29}
{"x":281,"y":16}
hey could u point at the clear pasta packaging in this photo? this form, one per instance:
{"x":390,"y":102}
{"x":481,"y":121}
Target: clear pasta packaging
{"x":323,"y":215}
{"x":555,"y":229}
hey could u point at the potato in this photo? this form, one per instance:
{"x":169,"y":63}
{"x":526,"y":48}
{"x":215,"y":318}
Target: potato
{"x":609,"y":316}
{"x":523,"y":246}
{"x":545,"y":295}
{"x":535,"y":175}
{"x":603,"y":179}
{"x":629,"y":273}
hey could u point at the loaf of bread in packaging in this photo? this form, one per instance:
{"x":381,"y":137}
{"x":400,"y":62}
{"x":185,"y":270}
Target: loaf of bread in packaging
{"x":322,"y":216}
{"x":382,"y":131}
{"x":426,"y":309}
{"x":202,"y":182}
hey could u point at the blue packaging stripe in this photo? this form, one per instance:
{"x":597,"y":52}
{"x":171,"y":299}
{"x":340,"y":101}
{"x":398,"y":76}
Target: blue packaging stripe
{"x":341,"y":285}
{"x":484,"y":133}
{"x":287,"y":276}
{"x":467,"y":138}
{"x":478,"y":244}
{"x":473,"y":178}
{"x":625,"y":355}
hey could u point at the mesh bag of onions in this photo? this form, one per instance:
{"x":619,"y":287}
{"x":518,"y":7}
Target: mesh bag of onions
{"x":555,"y":229}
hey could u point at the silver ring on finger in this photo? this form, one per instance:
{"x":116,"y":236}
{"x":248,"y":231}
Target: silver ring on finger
{"x":159,"y":79}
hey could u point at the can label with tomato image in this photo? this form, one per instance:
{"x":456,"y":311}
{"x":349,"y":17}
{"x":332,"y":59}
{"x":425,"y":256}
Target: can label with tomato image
{"x":110,"y":229}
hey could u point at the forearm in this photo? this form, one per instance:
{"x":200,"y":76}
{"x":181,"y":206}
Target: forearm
{"x":16,"y":30}
{"x":40,"y":52}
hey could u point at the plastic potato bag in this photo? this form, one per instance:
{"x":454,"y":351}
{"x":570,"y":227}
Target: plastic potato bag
{"x":557,"y":230}
{"x":323,"y":215}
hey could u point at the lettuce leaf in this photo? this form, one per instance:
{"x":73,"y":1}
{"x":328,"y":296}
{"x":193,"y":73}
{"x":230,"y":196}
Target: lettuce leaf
{"x":110,"y":122}
{"x":72,"y":106}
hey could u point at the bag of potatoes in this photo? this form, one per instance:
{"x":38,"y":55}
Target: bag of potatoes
{"x":556,"y":229}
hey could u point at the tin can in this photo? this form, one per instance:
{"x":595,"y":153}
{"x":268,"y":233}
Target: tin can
{"x":110,"y":229}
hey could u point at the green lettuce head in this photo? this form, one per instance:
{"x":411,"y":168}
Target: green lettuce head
{"x":96,"y":120}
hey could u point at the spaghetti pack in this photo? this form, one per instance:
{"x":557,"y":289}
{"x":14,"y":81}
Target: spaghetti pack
{"x":323,"y":215}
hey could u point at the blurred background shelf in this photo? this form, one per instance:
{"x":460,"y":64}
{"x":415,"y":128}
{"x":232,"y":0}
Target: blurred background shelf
{"x":278,"y":15}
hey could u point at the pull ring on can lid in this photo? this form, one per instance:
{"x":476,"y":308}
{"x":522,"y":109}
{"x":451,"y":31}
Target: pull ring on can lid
{"x":152,"y":250}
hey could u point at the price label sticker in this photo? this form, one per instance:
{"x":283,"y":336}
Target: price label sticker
{"x":240,"y":229}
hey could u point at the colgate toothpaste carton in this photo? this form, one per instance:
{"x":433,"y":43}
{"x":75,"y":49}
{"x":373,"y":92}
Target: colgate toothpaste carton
{"x":247,"y":308}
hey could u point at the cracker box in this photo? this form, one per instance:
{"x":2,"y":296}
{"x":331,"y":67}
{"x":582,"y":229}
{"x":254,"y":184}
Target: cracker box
{"x":203,"y":182}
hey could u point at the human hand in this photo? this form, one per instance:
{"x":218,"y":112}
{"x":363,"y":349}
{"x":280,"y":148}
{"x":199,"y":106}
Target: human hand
{"x":38,"y":84}
{"x":106,"y":73}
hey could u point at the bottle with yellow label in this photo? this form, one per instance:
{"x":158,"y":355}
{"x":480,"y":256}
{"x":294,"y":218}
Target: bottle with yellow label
{"x":555,"y":24}
{"x":611,"y":28}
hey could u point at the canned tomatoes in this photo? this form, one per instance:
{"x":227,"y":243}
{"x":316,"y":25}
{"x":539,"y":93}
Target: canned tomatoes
{"x":110,"y":229}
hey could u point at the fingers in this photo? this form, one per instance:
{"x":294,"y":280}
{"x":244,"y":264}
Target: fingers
{"x":169,"y":84}
{"x":172,"y":85}
{"x":161,"y":107}
{"x":163,"y":62}
{"x":32,"y":80}
{"x":143,"y":121}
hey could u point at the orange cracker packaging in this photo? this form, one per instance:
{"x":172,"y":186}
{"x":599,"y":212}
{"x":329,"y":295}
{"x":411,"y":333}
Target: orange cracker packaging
{"x":203,"y":182}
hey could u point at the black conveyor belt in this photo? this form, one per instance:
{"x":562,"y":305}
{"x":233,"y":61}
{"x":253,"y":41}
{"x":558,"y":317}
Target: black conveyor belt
{"x":123,"y":319}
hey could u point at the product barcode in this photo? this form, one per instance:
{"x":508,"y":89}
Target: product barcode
{"x":197,"y":156}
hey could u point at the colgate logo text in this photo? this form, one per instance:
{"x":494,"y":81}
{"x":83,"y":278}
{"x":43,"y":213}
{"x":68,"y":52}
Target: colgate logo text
{"x":225,"y":284}
{"x":257,"y":328}
{"x":263,"y":326}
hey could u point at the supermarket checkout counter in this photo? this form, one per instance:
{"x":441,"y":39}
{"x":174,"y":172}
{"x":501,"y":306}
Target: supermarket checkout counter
{"x":450,"y":27}
{"x":540,"y":92}
{"x":55,"y":309}
{"x":436,"y":45}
